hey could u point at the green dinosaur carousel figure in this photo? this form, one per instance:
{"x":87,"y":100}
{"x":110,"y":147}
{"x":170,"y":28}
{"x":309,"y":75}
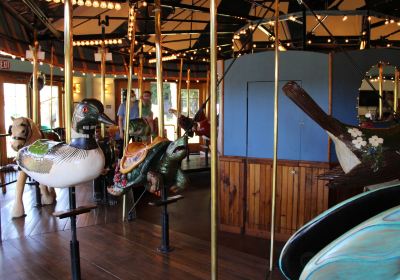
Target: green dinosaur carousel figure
{"x":151,"y":165}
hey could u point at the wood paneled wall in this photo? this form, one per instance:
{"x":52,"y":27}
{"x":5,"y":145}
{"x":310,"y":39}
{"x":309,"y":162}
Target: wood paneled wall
{"x":245,"y":195}
{"x":232,"y":194}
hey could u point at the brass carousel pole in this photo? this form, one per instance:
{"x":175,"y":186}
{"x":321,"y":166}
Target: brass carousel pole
{"x":188,"y":110}
{"x":214,"y":159}
{"x":396,"y":89}
{"x":103,"y":75}
{"x":380,"y":112}
{"x":51,"y":86}
{"x":140,"y":83}
{"x":160,"y":100}
{"x":187,"y":92}
{"x":178,"y":99}
{"x":68,"y":65}
{"x":127,"y":103}
{"x":35,"y":89}
{"x":274,"y":164}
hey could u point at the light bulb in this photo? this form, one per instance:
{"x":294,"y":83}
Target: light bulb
{"x":110,"y":5}
{"x":117,"y":6}
{"x":88,"y":3}
{"x":80,"y":3}
{"x":95,"y":4}
{"x":103,"y":4}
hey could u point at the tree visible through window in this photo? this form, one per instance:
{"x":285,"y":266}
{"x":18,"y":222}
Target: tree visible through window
{"x":49,"y":107}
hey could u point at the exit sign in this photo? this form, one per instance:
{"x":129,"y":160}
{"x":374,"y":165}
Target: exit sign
{"x":5,"y":64}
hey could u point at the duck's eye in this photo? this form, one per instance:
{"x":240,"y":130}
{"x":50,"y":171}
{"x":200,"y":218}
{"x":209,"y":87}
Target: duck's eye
{"x":85,"y":109}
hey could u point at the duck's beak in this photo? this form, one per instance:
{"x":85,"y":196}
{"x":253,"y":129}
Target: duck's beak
{"x":105,"y":119}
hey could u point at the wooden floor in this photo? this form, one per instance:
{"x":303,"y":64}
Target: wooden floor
{"x":37,"y":246}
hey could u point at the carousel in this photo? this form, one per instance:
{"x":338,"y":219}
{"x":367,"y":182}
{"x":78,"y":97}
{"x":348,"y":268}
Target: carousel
{"x":199,"y":139}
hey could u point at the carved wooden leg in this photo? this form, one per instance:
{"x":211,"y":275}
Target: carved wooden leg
{"x":47,"y":196}
{"x":18,"y":208}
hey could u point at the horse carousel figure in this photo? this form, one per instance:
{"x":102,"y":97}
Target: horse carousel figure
{"x":24,"y":132}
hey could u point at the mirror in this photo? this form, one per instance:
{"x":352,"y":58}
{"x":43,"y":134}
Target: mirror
{"x":371,"y":107}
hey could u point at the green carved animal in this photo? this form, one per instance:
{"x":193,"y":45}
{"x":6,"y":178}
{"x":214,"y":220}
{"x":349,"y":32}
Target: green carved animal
{"x":151,"y":165}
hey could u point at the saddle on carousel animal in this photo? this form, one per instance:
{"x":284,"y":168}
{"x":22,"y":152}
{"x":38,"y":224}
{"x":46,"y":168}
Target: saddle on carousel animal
{"x":60,"y":165}
{"x":151,"y":165}
{"x":24,"y":132}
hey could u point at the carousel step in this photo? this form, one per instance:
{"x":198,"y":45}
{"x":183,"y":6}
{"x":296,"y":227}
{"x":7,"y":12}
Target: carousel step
{"x":74,"y":212}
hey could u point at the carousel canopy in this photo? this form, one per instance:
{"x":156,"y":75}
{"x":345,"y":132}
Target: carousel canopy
{"x":243,"y":26}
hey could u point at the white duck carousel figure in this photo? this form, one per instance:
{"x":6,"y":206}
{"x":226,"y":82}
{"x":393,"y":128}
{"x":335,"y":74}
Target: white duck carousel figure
{"x":61,"y":165}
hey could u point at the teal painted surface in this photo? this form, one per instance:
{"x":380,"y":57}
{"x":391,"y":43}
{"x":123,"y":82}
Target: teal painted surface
{"x":368,"y":251}
{"x":248,"y":106}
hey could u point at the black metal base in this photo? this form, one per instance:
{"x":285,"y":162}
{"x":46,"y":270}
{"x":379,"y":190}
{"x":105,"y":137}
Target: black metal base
{"x":165,"y":250}
{"x":75,"y":259}
{"x":74,"y":243}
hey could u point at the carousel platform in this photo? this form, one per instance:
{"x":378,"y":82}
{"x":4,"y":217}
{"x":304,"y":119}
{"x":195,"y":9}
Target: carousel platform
{"x":37,"y":246}
{"x":122,"y":251}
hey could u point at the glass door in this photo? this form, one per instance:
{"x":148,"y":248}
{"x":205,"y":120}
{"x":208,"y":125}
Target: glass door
{"x":15,"y":105}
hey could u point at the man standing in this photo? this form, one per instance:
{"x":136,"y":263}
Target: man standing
{"x":134,"y":111}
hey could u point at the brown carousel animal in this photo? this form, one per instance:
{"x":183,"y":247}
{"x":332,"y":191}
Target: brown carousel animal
{"x":23,"y":133}
{"x":199,"y":124}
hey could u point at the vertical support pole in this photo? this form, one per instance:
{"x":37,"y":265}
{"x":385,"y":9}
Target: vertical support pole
{"x":74,"y":243}
{"x":103,"y":75}
{"x":128,"y":107}
{"x":188,"y":111}
{"x":207,"y":113}
{"x":140,"y":83}
{"x":396,"y":90}
{"x":160,"y":99}
{"x":304,"y":28}
{"x":179,"y":99}
{"x":380,"y":109}
{"x":274,"y":163}
{"x":330,"y":59}
{"x":68,"y":64}
{"x":35,"y":89}
{"x":51,"y":85}
{"x":214,"y":159}
{"x":164,"y":248}
{"x":187,"y":92}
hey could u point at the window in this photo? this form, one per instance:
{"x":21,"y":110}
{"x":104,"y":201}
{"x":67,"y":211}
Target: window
{"x":170,"y":102}
{"x":49,"y":114}
{"x":15,"y":105}
{"x":193,"y":104}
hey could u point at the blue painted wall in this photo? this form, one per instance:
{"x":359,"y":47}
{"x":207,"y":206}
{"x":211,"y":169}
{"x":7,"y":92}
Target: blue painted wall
{"x":248,"y":106}
{"x":346,"y":80}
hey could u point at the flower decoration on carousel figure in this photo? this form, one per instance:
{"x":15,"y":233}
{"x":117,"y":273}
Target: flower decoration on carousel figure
{"x":372,"y":150}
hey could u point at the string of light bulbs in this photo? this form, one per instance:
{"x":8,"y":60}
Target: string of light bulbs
{"x":93,"y":3}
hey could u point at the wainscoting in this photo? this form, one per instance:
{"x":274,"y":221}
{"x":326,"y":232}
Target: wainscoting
{"x":246,"y":191}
